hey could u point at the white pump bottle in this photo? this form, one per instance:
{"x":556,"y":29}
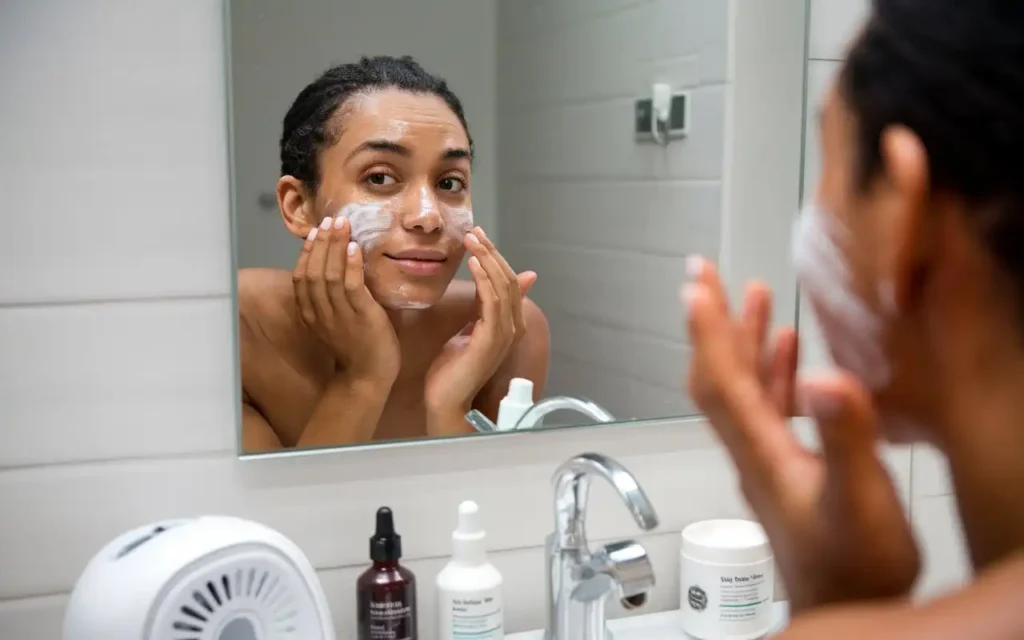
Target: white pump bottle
{"x":469,"y":587}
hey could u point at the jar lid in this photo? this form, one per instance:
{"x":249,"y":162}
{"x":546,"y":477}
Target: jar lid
{"x":726,"y":542}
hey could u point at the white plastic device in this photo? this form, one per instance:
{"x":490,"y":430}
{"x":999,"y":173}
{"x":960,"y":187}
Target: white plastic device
{"x":204,"y":578}
{"x":661,"y":111}
{"x":517,"y":402}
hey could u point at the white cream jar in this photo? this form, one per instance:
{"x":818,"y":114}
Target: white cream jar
{"x":727,"y":580}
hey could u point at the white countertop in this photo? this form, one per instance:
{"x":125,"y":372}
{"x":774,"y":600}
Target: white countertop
{"x":657,"y":626}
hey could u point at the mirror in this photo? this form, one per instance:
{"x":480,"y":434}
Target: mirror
{"x":433,"y":198}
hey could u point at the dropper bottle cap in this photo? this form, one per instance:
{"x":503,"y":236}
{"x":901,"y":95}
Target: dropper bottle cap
{"x":385,"y":544}
{"x":468,"y":537}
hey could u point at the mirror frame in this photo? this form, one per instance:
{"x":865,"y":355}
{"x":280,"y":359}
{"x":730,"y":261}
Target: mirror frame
{"x":753,"y":99}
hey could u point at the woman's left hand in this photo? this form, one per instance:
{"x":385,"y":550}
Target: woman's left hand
{"x":471,"y":358}
{"x":834,"y":519}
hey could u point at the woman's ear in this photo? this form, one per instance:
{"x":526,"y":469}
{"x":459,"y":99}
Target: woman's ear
{"x":297,"y":206}
{"x":909,"y":227}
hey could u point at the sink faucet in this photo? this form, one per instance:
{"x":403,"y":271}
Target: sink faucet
{"x":580,"y":581}
{"x":542,"y":408}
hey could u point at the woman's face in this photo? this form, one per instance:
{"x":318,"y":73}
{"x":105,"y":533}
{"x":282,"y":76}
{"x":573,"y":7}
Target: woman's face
{"x":849,"y":252}
{"x":400,"y":172}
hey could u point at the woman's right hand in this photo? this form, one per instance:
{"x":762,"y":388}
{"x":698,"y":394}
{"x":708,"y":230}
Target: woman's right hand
{"x":336,"y":306}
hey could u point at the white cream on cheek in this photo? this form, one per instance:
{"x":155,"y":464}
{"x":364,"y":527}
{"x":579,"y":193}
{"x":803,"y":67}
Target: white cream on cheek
{"x":853,"y":331}
{"x":369,"y":220}
{"x":459,"y":220}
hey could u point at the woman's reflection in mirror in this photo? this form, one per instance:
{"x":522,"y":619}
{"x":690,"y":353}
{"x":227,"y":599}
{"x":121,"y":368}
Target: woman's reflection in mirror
{"x":371,"y":337}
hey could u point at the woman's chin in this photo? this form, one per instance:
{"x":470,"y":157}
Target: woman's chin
{"x":402,"y":299}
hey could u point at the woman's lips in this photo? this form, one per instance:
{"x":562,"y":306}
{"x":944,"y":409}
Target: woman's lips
{"x":418,"y":265}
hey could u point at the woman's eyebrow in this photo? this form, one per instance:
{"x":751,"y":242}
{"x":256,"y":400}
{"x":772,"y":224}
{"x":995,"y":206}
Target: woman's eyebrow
{"x":380,"y":145}
{"x":455,"y":154}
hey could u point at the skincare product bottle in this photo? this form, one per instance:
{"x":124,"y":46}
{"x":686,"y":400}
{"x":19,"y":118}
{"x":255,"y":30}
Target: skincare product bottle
{"x":727,"y":581}
{"x":386,"y":592}
{"x":512,"y":407}
{"x":469,"y":587}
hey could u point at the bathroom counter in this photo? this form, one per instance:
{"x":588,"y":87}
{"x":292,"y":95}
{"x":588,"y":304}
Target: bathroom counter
{"x":656,"y":626}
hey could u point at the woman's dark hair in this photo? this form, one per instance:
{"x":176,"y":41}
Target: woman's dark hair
{"x":952,"y":71}
{"x":309,"y":125}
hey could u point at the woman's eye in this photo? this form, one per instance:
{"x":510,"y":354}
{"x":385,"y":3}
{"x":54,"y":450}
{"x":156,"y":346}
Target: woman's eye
{"x":380,"y":179}
{"x":451,"y":184}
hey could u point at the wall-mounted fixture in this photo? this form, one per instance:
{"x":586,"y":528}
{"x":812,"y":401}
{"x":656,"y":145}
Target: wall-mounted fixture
{"x":663,"y":117}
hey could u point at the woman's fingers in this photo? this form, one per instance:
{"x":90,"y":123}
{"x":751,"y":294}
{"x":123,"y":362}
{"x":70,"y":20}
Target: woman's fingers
{"x":526,"y":281}
{"x":490,"y":304}
{"x":315,"y":283}
{"x":334,"y":264}
{"x":299,"y":282}
{"x":725,"y":387}
{"x":356,"y":293}
{"x":783,"y":361}
{"x":754,"y":326}
{"x":842,"y":409}
{"x":515,"y":293}
{"x":502,"y":317}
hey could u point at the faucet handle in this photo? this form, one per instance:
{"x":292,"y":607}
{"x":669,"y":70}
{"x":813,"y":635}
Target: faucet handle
{"x":623,"y":567}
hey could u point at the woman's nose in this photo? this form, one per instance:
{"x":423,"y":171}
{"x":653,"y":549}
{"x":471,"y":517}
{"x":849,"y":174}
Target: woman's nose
{"x":422,"y":213}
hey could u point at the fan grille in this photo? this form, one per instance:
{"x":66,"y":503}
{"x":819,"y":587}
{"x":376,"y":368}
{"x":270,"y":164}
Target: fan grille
{"x":268,"y":594}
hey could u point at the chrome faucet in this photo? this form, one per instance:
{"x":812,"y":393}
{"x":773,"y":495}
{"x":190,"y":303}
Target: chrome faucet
{"x":580,"y":581}
{"x":542,"y":408}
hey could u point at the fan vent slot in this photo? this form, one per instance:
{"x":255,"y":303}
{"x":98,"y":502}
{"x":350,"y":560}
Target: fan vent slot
{"x":215,"y":596}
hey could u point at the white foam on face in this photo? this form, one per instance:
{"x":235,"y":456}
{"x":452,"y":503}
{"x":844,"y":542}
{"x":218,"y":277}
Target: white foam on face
{"x":395,"y":130}
{"x":852,"y":330}
{"x":459,"y":220}
{"x":370,"y":222}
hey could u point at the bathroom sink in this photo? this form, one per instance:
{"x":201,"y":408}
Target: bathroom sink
{"x":656,"y":626}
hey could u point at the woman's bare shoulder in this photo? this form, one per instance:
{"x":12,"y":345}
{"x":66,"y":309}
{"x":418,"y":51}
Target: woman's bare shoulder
{"x":266,"y":306}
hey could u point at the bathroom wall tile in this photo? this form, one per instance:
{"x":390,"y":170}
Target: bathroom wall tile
{"x":946,"y":561}
{"x":565,"y":149}
{"x":931,"y":473}
{"x":39,"y":618}
{"x":113,"y":178}
{"x":98,"y":501}
{"x":833,"y":24}
{"x":820,"y":76}
{"x":116,"y":380}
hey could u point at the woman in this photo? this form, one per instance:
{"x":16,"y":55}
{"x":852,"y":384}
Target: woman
{"x":370,"y":338}
{"x":912,"y":254}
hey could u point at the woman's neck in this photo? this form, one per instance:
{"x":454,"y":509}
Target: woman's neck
{"x":982,"y":434}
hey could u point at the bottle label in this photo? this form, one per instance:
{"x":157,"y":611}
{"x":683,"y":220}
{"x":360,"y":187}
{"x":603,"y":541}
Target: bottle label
{"x":389,"y":618}
{"x":471,"y":616}
{"x":718,"y":601}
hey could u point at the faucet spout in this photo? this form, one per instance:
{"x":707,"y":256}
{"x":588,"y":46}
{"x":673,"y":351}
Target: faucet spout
{"x":582,"y":406}
{"x":572,"y":487}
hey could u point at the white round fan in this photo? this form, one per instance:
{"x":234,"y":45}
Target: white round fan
{"x":206,"y":578}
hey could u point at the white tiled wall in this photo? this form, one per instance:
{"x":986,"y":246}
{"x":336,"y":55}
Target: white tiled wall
{"x":117,"y":402}
{"x":608,"y":222}
{"x":932,"y":505}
